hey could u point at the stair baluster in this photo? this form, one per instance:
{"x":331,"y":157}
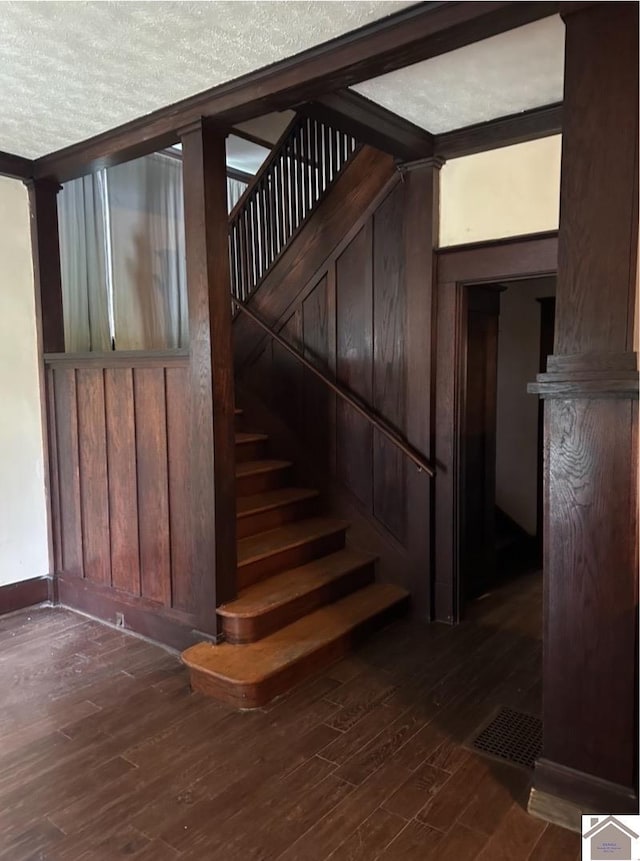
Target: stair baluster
{"x":289,"y":185}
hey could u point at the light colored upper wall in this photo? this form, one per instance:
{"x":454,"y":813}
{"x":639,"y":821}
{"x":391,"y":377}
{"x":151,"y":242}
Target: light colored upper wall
{"x":499,"y":193}
{"x":23,"y":516}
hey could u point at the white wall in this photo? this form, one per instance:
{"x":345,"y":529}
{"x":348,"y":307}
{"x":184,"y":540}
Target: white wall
{"x":517,"y":411}
{"x":503,"y":192}
{"x":23,"y":516}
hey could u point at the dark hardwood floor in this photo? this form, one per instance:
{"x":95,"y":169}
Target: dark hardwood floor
{"x":105,"y":753}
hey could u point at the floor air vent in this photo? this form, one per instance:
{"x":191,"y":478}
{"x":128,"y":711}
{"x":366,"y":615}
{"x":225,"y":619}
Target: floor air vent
{"x":512,"y":736}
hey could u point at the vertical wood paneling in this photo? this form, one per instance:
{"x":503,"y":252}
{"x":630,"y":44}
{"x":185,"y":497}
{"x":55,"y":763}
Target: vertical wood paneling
{"x":317,"y":398}
{"x":120,"y":473}
{"x":94,"y":493}
{"x":354,"y":353}
{"x":288,"y":374}
{"x":179,"y":504}
{"x":389,"y":366}
{"x":332,"y":334}
{"x":153,"y":492}
{"x":123,"y":490}
{"x":69,"y":471}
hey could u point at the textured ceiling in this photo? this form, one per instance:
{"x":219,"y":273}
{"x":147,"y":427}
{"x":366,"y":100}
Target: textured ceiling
{"x":512,"y":72}
{"x":69,"y":70}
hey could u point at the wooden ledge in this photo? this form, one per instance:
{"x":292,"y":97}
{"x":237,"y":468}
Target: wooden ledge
{"x":588,"y":375}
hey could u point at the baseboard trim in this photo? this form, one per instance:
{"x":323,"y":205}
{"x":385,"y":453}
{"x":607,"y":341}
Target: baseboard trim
{"x":27,"y":593}
{"x":556,"y":810}
{"x":562,"y":795}
{"x":152,"y":621}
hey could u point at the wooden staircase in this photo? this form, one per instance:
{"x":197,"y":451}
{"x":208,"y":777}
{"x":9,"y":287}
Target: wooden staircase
{"x":304,"y":597}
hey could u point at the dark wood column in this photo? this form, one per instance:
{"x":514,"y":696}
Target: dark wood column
{"x":421,"y":211}
{"x":212,"y":436}
{"x":591,"y":389}
{"x":46,"y":261}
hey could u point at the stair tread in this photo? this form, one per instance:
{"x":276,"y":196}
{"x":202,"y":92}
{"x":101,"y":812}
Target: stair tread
{"x":246,"y":437}
{"x":272,"y":541}
{"x":255,"y":467}
{"x":254,"y":662}
{"x":258,"y":502}
{"x":275,"y":591}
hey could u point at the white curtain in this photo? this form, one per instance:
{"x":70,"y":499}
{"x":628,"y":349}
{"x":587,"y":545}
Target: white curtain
{"x":122,"y":255}
{"x":83,"y":263}
{"x":235,"y":190}
{"x":146,"y":215}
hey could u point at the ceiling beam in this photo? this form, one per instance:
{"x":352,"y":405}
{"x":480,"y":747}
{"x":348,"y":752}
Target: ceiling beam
{"x":371,"y":124}
{"x":409,"y":36}
{"x":15,"y":166}
{"x":505,"y":131}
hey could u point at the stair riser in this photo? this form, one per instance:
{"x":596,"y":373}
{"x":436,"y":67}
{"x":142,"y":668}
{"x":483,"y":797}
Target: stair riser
{"x":289,"y":558}
{"x":247,"y":485}
{"x":248,"y":630}
{"x":275,"y":517}
{"x":251,"y":451}
{"x":251,"y":696}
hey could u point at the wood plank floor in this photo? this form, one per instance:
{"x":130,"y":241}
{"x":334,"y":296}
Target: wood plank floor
{"x":105,"y":753}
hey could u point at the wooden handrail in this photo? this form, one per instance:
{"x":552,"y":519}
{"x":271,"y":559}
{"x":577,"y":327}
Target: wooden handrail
{"x":386,"y":430}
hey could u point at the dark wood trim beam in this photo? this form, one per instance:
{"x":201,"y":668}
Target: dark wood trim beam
{"x":45,"y":246}
{"x":15,"y":166}
{"x":372,"y":124}
{"x":240,"y":175}
{"x":505,"y":131}
{"x":411,"y":35}
{"x":247,"y":136}
{"x":119,"y":359}
{"x":212,"y":421}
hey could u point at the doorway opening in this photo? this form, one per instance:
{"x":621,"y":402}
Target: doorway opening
{"x":509,"y":334}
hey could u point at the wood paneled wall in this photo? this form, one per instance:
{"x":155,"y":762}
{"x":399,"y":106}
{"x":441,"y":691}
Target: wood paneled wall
{"x":354,"y":317}
{"x":141,"y":462}
{"x":118,"y":439}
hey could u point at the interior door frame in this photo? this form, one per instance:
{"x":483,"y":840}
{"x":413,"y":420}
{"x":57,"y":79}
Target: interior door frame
{"x":457,"y":268}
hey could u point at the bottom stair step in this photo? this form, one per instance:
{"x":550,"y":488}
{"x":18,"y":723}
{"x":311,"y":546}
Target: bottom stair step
{"x":249,"y":676}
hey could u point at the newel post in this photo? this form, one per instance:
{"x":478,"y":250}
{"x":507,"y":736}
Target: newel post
{"x":211,"y":472}
{"x":590,"y":726}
